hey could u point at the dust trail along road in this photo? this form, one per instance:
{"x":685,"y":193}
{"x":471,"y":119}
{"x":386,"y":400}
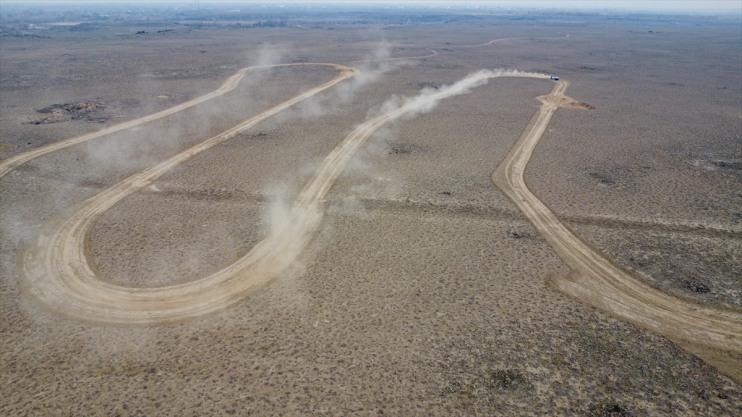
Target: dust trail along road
{"x":230,"y":84}
{"x":714,"y":334}
{"x":57,"y":271}
{"x":401,"y":58}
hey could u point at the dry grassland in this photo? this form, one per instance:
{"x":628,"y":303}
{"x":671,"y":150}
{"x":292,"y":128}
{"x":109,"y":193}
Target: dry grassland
{"x":423,"y":292}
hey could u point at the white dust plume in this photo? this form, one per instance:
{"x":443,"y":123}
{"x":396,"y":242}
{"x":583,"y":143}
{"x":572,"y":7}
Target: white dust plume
{"x":430,"y":97}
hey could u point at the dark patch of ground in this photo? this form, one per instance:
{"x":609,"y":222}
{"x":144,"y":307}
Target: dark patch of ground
{"x":89,"y":111}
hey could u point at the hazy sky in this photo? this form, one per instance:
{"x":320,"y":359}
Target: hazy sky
{"x":622,"y":4}
{"x":727,"y":6}
{"x":668,"y":5}
{"x":647,"y":5}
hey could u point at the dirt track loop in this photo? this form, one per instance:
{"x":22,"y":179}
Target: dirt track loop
{"x":230,"y":84}
{"x":58,"y":272}
{"x":713,"y":334}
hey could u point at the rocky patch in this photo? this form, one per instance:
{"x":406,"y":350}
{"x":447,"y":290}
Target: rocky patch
{"x":89,"y":111}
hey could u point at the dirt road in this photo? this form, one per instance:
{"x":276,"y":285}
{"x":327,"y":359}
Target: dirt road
{"x":713,"y":334}
{"x":493,"y":41}
{"x":230,"y":84}
{"x":57,"y":271}
{"x":401,"y":58}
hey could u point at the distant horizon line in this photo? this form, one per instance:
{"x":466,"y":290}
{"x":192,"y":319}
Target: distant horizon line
{"x":730,"y":8}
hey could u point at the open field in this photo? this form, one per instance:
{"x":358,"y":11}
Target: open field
{"x":296,"y":240}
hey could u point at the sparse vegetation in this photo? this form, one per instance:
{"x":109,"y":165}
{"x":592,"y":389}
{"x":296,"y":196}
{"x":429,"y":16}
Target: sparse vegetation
{"x":423,"y":292}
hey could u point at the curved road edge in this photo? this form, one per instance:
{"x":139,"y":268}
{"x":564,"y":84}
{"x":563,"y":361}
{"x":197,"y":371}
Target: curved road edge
{"x":57,"y":271}
{"x":9,"y":164}
{"x":713,"y":334}
{"x":60,"y":246}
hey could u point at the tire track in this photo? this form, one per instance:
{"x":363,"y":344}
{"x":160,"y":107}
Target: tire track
{"x":714,"y":334}
{"x":58,"y":274}
{"x":230,"y":84}
{"x":430,"y":55}
{"x":493,"y":41}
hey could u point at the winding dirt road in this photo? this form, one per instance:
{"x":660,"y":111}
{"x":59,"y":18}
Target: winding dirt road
{"x":714,"y":334}
{"x":493,"y":41}
{"x":9,"y":164}
{"x":401,"y":58}
{"x":58,"y":272}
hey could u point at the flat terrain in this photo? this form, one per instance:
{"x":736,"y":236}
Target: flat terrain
{"x":422,"y":289}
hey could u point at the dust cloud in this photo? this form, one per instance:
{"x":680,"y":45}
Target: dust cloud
{"x":429,"y":97}
{"x":370,"y":71}
{"x":281,"y":215}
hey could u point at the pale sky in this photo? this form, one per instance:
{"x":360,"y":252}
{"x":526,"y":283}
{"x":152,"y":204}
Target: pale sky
{"x":708,"y":6}
{"x":668,"y":5}
{"x":697,"y":5}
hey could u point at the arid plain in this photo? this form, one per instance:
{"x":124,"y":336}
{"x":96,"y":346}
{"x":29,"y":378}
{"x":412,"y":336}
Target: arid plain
{"x":422,"y":288}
